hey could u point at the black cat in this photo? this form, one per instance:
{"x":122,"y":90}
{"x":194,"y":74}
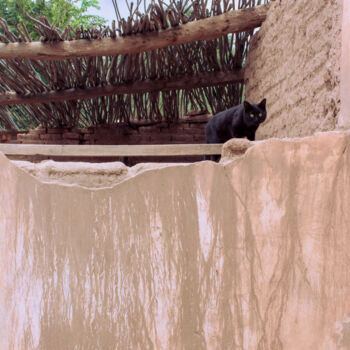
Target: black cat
{"x":239,"y":121}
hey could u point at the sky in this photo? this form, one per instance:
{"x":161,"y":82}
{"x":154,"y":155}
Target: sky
{"x":107,"y":9}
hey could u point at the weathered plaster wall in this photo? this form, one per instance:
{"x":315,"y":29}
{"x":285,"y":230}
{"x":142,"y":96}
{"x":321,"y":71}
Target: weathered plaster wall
{"x":253,"y":254}
{"x":294,"y":61}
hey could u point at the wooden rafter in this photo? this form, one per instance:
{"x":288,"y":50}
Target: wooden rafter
{"x":188,"y":82}
{"x":204,"y":29}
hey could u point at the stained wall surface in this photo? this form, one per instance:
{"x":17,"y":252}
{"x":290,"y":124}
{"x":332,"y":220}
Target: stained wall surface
{"x":253,"y":254}
{"x":294,"y":61}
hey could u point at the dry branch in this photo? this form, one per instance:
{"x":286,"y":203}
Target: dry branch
{"x":188,"y":82}
{"x":203,"y":29}
{"x":24,"y":77}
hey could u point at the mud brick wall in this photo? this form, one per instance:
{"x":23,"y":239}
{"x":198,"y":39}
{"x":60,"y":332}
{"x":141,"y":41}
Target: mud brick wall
{"x":189,"y":130}
{"x":294,"y":61}
{"x":8,"y":136}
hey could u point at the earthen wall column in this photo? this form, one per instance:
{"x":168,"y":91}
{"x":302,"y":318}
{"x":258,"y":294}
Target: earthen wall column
{"x":344,"y":118}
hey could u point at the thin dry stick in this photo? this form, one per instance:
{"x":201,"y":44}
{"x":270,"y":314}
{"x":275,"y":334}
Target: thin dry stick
{"x":26,"y":76}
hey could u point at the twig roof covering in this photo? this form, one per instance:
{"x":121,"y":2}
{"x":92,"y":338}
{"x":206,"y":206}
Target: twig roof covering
{"x":25,"y":76}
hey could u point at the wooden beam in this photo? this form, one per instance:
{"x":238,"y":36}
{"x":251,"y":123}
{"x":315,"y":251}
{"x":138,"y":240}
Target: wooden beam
{"x":188,"y":82}
{"x":111,"y":151}
{"x":204,"y":29}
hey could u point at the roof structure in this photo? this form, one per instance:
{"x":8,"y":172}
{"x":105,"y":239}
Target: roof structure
{"x":151,"y":67}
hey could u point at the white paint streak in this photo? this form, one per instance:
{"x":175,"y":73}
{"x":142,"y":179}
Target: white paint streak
{"x":204,"y":223}
{"x":161,"y":335}
{"x":272,"y":212}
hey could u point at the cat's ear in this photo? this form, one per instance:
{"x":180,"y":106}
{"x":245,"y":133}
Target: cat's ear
{"x":246,"y":105}
{"x":262,"y":104}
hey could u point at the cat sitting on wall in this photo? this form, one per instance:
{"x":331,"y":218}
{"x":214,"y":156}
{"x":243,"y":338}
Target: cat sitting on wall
{"x":237,"y":122}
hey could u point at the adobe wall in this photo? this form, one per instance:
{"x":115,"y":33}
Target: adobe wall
{"x":344,"y":118}
{"x":251,"y":254}
{"x":294,"y":61}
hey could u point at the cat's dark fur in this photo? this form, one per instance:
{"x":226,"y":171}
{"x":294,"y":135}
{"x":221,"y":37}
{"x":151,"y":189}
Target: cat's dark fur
{"x":237,"y":122}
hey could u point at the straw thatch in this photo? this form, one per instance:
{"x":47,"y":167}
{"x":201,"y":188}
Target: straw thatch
{"x":24,"y":76}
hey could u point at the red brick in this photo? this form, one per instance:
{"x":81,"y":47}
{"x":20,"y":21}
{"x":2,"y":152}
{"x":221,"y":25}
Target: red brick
{"x":51,"y":137}
{"x":33,"y":142}
{"x":69,"y":142}
{"x":194,"y":131}
{"x":56,"y":131}
{"x":51,"y":142}
{"x":164,"y":125}
{"x":182,"y":138}
{"x":149,"y":129}
{"x":75,"y":130}
{"x":89,"y":130}
{"x":4,"y":137}
{"x":89,"y":137}
{"x":199,"y":138}
{"x":134,"y":139}
{"x":197,"y":125}
{"x":195,"y":112}
{"x":71,"y":136}
{"x":166,"y":138}
{"x":26,"y":137}
{"x":198,"y":119}
{"x":14,"y":142}
{"x":37,"y":131}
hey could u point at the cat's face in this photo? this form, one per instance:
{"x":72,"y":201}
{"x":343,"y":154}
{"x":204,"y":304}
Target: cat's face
{"x":254,"y":114}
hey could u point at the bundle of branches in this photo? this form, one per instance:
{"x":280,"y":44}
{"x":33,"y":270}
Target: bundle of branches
{"x":26,"y":76}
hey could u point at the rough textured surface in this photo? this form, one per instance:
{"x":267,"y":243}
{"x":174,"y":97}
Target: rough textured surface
{"x":109,"y":174}
{"x":250,"y":255}
{"x":234,"y":148}
{"x":187,"y":130}
{"x":294,"y":61}
{"x":344,"y":118}
{"x":89,"y":175}
{"x":80,"y":173}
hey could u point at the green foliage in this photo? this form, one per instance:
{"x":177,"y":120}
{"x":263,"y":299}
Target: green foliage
{"x":60,"y":13}
{"x":73,"y":12}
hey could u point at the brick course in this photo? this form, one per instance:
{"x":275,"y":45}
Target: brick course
{"x":189,"y":130}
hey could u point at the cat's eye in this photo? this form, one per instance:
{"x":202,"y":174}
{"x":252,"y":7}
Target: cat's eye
{"x":260,"y":114}
{"x":251,"y":115}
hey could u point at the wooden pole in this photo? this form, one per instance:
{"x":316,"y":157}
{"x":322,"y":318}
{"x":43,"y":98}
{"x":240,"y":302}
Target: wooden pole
{"x":188,"y":82}
{"x":204,"y":29}
{"x":111,"y":150}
